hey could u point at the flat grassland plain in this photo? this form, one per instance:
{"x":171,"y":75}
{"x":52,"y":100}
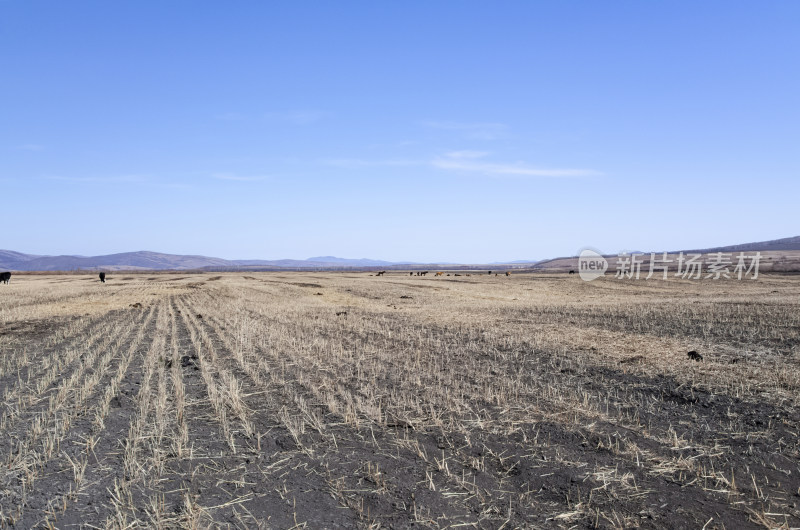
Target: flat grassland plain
{"x":344,"y":400}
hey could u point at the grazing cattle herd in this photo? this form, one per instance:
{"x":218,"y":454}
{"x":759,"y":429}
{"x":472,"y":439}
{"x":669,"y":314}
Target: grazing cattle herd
{"x":6,"y":276}
{"x":692,"y":355}
{"x":438,"y":273}
{"x":442,"y":273}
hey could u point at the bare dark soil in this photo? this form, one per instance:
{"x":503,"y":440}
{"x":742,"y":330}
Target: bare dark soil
{"x":644,"y":450}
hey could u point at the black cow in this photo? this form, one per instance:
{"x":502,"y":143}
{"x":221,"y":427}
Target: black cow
{"x":694,"y":356}
{"x":572,"y":272}
{"x":5,"y":277}
{"x":103,"y":277}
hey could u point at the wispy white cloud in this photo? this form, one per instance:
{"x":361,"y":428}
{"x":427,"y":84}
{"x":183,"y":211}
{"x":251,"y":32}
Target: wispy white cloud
{"x":238,"y":178}
{"x":478,"y":131}
{"x":460,"y":155}
{"x":470,"y":161}
{"x":466,"y":161}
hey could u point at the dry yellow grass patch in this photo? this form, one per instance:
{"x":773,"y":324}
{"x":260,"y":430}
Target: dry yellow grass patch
{"x":321,"y":399}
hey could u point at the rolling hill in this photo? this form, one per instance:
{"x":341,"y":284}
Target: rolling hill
{"x":787,"y":243}
{"x":146,"y":260}
{"x":779,"y":255}
{"x":784,"y":253}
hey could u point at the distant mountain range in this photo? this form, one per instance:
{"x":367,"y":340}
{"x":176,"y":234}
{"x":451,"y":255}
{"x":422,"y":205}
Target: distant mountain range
{"x":780,"y":255}
{"x":787,"y":243}
{"x":362,"y":262}
{"x":145,"y":260}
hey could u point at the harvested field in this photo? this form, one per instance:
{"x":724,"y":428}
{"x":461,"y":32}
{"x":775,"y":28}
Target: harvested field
{"x":530,"y":401}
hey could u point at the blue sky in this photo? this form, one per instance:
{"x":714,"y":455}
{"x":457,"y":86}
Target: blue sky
{"x":427,"y":131}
